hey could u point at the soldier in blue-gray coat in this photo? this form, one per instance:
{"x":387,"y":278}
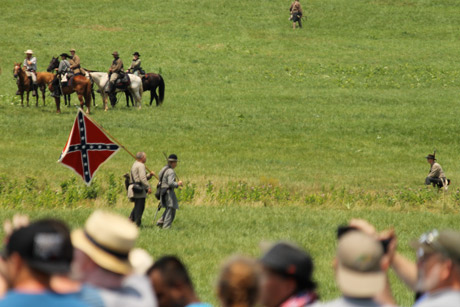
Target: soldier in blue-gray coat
{"x":169,"y":199}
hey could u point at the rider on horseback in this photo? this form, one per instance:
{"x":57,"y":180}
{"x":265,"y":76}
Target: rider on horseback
{"x":63,"y":72}
{"x":135,"y":67}
{"x":74,"y":61}
{"x":115,"y":71}
{"x":30,"y":63}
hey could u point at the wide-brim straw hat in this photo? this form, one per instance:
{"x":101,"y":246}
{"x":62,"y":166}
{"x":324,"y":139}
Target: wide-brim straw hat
{"x":107,"y":239}
{"x":72,"y":50}
{"x":28,"y":51}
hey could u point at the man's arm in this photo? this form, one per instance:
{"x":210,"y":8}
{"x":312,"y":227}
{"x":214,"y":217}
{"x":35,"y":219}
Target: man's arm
{"x":171,"y":179}
{"x":143,"y":176}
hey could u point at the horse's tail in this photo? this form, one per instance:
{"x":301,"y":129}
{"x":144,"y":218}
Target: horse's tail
{"x":162,"y":89}
{"x":141,"y":88}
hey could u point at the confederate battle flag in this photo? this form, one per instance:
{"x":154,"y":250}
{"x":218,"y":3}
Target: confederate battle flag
{"x":87,"y":148}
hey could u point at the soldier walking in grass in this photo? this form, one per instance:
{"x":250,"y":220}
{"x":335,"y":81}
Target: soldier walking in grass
{"x":436,"y":175}
{"x":296,"y":13}
{"x":168,"y":198}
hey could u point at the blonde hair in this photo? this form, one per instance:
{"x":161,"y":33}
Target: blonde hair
{"x":239,"y":282}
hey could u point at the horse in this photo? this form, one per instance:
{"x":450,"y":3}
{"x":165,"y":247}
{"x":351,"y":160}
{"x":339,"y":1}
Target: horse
{"x":78,"y":84}
{"x":135,"y":87}
{"x":25,"y":84}
{"x":150,"y":83}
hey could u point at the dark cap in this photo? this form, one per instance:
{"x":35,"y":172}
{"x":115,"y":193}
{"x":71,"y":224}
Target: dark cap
{"x":430,"y":156}
{"x":44,"y":245}
{"x":115,"y":53}
{"x":65,"y":55}
{"x":172,"y":158}
{"x":289,"y":260}
{"x":445,"y":242}
{"x":136,"y":53}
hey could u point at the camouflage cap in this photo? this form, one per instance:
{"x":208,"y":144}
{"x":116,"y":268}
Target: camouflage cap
{"x":445,"y":242}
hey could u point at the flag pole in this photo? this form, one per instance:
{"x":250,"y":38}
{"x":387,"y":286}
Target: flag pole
{"x":116,"y":141}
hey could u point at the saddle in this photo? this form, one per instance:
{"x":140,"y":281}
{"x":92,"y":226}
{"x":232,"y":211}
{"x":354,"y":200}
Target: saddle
{"x":123,"y":82}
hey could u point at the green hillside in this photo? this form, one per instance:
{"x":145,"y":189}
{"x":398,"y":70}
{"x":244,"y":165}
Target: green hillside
{"x":339,"y":114}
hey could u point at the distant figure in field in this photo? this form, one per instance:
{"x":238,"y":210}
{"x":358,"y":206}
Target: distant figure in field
{"x":135,"y":67}
{"x":168,"y":197}
{"x":239,"y":282}
{"x":115,"y":71}
{"x":30,"y":63}
{"x":296,"y":13}
{"x":436,"y":175}
{"x":75,"y":63}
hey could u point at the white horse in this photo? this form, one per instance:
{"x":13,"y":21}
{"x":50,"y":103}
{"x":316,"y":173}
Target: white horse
{"x":102,"y":78}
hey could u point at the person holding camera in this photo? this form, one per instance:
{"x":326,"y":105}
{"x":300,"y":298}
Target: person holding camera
{"x":139,"y":187}
{"x":168,"y":198}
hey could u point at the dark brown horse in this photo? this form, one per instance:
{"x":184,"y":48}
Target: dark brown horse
{"x":150,"y":82}
{"x":25,"y":84}
{"x":78,"y":84}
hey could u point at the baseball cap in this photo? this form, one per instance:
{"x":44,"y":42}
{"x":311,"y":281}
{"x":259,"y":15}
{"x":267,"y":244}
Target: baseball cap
{"x":359,"y":273}
{"x":44,"y":245}
{"x":289,"y":260}
{"x":446,"y":242}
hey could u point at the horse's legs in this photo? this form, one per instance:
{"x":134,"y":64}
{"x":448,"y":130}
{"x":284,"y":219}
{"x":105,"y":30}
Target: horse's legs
{"x":127,"y":95}
{"x":58,"y":104}
{"x":138,"y":98}
{"x":104,"y":100}
{"x":152,"y":93}
{"x":22,"y":98}
{"x":27,"y":96}
{"x":43,"y":90}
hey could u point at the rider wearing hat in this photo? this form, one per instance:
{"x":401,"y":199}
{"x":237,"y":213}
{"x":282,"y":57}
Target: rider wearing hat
{"x":114,"y":72}
{"x":62,"y":71}
{"x":74,"y":61}
{"x":436,"y":175}
{"x":30,"y":63}
{"x":135,"y":67}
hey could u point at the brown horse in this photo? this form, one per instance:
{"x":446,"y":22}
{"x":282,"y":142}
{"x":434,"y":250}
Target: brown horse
{"x":25,"y":84}
{"x":78,"y":84}
{"x":150,"y":82}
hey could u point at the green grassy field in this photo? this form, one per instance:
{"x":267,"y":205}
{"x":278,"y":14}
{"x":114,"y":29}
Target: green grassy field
{"x":279,"y":132}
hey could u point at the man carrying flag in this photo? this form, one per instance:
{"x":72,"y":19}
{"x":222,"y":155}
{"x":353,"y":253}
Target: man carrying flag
{"x":87,"y":148}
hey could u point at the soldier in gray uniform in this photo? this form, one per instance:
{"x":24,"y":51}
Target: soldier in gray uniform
{"x":436,"y":175}
{"x":62,"y":71}
{"x":135,"y":67}
{"x":168,"y":200}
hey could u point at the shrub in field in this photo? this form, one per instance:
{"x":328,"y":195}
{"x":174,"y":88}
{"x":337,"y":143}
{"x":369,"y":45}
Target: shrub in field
{"x":186,"y":193}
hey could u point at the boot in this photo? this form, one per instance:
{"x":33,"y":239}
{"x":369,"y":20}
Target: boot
{"x":34,"y":90}
{"x":55,"y":93}
{"x":109,"y":89}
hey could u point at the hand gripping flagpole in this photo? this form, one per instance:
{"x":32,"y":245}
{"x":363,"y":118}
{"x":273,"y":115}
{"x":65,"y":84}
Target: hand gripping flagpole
{"x":116,"y":141}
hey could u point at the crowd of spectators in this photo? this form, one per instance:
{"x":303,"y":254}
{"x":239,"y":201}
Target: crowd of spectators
{"x":44,"y":264}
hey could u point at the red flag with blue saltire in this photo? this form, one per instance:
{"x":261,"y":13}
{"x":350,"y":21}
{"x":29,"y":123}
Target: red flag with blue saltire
{"x":87,"y":148}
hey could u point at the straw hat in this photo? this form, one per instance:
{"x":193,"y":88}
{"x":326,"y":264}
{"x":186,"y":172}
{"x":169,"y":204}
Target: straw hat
{"x":72,"y":50}
{"x":107,"y":239}
{"x":29,"y":51}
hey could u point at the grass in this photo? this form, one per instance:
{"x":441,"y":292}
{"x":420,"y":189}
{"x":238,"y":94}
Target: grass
{"x":334,"y":119}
